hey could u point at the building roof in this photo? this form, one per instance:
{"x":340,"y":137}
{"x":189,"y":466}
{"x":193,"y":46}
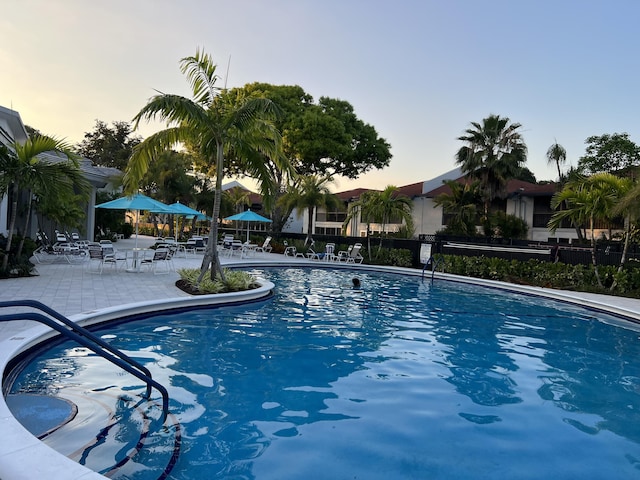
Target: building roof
{"x":11,"y":127}
{"x":350,"y":195}
{"x":98,"y":176}
{"x":513,"y":187}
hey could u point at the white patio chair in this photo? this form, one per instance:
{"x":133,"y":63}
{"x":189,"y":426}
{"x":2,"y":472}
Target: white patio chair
{"x":98,"y":258}
{"x":160,"y":262}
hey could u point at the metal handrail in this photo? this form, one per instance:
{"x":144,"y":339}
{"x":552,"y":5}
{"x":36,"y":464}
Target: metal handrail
{"x":434,"y":265}
{"x":87,"y":339}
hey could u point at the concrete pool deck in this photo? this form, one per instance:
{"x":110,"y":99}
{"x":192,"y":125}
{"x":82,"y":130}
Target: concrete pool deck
{"x":73,"y":291}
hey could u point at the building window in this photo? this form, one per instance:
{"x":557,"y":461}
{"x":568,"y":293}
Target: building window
{"x":335,"y":217}
{"x":328,"y":231}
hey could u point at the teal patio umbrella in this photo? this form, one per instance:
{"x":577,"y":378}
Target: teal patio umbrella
{"x":186,"y":211}
{"x":248,"y":216}
{"x":137,"y":203}
{"x":182,"y":209}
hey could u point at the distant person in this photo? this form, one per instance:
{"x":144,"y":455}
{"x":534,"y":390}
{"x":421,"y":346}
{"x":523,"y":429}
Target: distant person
{"x":356,"y":282}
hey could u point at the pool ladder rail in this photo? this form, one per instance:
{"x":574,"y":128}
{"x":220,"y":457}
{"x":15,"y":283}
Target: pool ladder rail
{"x":87,"y":339}
{"x":434,"y":262}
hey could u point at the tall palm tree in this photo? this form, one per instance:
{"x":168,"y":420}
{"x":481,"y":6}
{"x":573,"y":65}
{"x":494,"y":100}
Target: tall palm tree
{"x":494,"y":153}
{"x":21,"y":168}
{"x":587,"y":200}
{"x":557,"y":155}
{"x":308,"y":193}
{"x":217,"y":124}
{"x":462,"y":205}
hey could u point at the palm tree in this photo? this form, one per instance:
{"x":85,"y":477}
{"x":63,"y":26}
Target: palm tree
{"x":238,"y":198}
{"x":22,"y":169}
{"x":557,"y":155}
{"x":587,"y":200}
{"x":217,"y":124}
{"x":388,"y":205}
{"x":381,"y":207}
{"x":629,"y":208}
{"x":493,"y":154}
{"x":462,"y":206}
{"x":363,"y":208}
{"x":310,"y":192}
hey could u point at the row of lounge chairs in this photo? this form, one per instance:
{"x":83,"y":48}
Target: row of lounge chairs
{"x":66,"y":247}
{"x":229,"y":246}
{"x":351,"y":255}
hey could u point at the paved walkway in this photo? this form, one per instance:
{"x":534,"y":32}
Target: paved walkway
{"x":70,"y":289}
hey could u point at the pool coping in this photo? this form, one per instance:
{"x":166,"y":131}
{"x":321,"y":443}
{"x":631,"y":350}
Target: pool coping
{"x":19,"y":448}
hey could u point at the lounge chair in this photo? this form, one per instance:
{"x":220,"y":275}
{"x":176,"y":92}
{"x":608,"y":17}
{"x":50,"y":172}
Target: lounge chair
{"x":265,"y":247}
{"x":354,"y":255}
{"x":293,"y":252}
{"x":344,"y":254}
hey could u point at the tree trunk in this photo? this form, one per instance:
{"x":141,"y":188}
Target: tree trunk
{"x":309,"y":226}
{"x":625,"y":250}
{"x":26,"y":226}
{"x":12,"y":226}
{"x":211,"y":257}
{"x":593,"y":253}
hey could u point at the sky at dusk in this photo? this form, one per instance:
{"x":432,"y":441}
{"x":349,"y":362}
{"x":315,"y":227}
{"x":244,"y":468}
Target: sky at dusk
{"x":419,"y":71}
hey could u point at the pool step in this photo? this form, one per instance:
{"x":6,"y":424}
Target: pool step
{"x":113,"y":433}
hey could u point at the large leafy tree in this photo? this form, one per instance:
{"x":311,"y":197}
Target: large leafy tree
{"x":109,"y":146}
{"x":323,"y":138}
{"x":22,"y":168}
{"x":587,"y":200}
{"x":494,"y":152}
{"x":615,"y":154}
{"x":309,"y":193}
{"x":216,"y":123}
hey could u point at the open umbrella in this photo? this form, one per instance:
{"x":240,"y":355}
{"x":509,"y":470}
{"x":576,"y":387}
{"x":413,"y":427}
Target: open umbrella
{"x":137,"y":203}
{"x":182,"y":209}
{"x":186,"y":211}
{"x":248,"y":216}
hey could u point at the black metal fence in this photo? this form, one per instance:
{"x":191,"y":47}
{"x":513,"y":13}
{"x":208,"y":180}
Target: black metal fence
{"x":607,"y":253}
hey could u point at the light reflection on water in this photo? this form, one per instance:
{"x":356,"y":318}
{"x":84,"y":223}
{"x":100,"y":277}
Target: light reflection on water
{"x":399,"y":379}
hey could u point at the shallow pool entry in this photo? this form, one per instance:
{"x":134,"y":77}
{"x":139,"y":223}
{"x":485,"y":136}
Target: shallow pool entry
{"x":115,"y":430}
{"x":396,"y":379}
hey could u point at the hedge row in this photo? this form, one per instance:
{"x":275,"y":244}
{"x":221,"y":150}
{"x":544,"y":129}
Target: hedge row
{"x":546,"y":274}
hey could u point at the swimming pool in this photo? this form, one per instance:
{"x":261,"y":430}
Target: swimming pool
{"x":399,"y":379}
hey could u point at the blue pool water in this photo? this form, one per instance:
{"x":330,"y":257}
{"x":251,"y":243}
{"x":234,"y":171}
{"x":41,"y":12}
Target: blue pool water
{"x":400,"y":379}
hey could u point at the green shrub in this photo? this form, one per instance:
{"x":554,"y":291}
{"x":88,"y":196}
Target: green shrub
{"x":126,"y":229}
{"x":545,"y":274}
{"x":235,"y":281}
{"x":396,"y":257}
